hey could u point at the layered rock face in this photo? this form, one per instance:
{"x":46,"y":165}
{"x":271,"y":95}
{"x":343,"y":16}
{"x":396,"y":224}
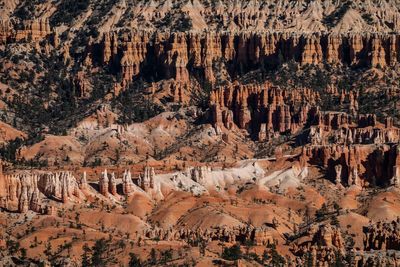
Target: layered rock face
{"x":34,"y":30}
{"x":341,"y":128}
{"x":128,"y":186}
{"x":395,"y":181}
{"x":107,"y":184}
{"x":263,"y":110}
{"x":359,"y":165}
{"x":261,"y":236}
{"x":382,"y":236}
{"x":321,"y":245}
{"x":176,"y":55}
{"x":199,"y":174}
{"x":375,"y":258}
{"x":6,"y":31}
{"x":26,"y":191}
{"x":329,"y":236}
{"x":146,"y":180}
{"x":134,"y":51}
{"x":354,"y":149}
{"x":61,"y":185}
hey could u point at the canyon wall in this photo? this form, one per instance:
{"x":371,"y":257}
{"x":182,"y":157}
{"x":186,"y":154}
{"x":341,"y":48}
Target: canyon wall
{"x":267,"y":111}
{"x":175,"y":55}
{"x":26,"y":190}
{"x":29,"y":30}
{"x":382,"y":235}
{"x":263,"y":110}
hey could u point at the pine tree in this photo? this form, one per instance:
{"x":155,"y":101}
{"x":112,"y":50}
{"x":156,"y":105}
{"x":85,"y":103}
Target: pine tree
{"x":276,"y":259}
{"x":134,"y":261}
{"x":153,"y":257}
{"x":85,"y":255}
{"x":232,"y":253}
{"x":99,"y":249}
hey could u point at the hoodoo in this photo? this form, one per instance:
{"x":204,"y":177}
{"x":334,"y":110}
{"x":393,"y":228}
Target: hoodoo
{"x":199,"y":133}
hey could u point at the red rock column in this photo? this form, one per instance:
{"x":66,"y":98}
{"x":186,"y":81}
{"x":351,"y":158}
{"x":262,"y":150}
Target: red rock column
{"x":395,"y":181}
{"x":103,"y":183}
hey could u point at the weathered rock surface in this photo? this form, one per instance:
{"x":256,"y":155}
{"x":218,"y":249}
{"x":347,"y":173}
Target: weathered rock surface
{"x":31,"y":30}
{"x":360,"y":165}
{"x":168,"y":54}
{"x":263,"y":110}
{"x":382,"y":236}
{"x":321,"y":245}
{"x":195,"y":125}
{"x":25,"y":191}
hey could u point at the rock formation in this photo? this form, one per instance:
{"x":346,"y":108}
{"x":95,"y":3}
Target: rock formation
{"x":168,"y":54}
{"x":312,"y":51}
{"x":146,"y":180}
{"x":382,"y":236}
{"x":288,"y":102}
{"x":31,"y":30}
{"x":395,"y":181}
{"x":269,"y":112}
{"x":321,"y":244}
{"x":112,"y":185}
{"x":6,"y":31}
{"x":104,"y":183}
{"x":176,"y":58}
{"x":199,"y":174}
{"x":25,"y":190}
{"x":259,"y":235}
{"x":128,"y":186}
{"x":83,"y":184}
{"x":134,"y":50}
{"x":345,"y":162}
{"x":338,"y":178}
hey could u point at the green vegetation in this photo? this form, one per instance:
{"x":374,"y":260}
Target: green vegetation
{"x":276,"y":259}
{"x":99,"y":256}
{"x":176,"y":21}
{"x":12,"y":246}
{"x":368,"y":18}
{"x":26,"y":9}
{"x":322,"y":212}
{"x":335,"y":16}
{"x":8,"y":151}
{"x":67,"y":12}
{"x":136,"y":106}
{"x":134,"y":261}
{"x":232,"y":253}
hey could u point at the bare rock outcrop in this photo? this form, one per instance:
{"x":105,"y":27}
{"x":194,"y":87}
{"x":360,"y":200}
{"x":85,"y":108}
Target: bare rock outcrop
{"x":321,"y":244}
{"x":261,"y":236}
{"x":395,"y":181}
{"x":357,"y":165}
{"x":176,"y":55}
{"x":199,"y":174}
{"x":104,"y":183}
{"x":27,"y":190}
{"x":146,"y":180}
{"x":128,"y":186}
{"x":382,"y":236}
{"x":263,"y":110}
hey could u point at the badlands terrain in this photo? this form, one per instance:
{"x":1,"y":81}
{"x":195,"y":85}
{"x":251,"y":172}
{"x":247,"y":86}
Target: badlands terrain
{"x":199,"y":133}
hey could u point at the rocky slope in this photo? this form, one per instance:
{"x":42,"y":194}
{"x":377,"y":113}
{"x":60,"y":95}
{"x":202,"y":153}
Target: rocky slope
{"x":196,"y":132}
{"x":199,"y":15}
